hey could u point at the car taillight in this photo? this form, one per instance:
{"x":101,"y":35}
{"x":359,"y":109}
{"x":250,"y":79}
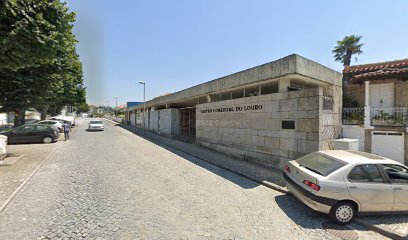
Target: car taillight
{"x":312,"y":185}
{"x":287,"y":169}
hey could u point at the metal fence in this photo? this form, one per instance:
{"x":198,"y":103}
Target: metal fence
{"x":395,"y":116}
{"x":353,"y":116}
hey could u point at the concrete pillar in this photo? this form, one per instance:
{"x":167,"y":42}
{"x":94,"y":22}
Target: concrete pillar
{"x":367,"y":93}
{"x":367,"y":111}
{"x":283,"y":85}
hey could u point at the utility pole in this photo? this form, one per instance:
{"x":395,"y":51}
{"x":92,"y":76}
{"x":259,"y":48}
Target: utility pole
{"x":116,"y":108}
{"x":144,"y":103}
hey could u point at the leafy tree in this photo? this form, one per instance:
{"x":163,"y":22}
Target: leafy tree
{"x":39,"y":66}
{"x":346,"y":48}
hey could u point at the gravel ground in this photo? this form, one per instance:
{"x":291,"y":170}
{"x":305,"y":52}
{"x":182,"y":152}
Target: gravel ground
{"x":115,"y":185}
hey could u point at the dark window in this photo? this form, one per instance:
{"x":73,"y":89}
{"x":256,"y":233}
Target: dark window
{"x":252,"y":91}
{"x":396,"y":173}
{"x":320,"y":163}
{"x":25,"y":129}
{"x":215,"y":97}
{"x":238,"y":94}
{"x":42,"y":128}
{"x":269,"y":88}
{"x":225,"y":96}
{"x":202,"y":100}
{"x":288,"y":124}
{"x":366,"y":173}
{"x":328,"y":103}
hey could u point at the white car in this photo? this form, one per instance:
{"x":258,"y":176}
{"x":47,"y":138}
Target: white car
{"x":96,"y":125}
{"x":65,"y":118}
{"x":54,"y":123}
{"x":346,"y":183}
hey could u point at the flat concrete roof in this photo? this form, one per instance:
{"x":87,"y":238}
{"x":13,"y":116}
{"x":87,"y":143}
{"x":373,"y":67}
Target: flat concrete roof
{"x":291,"y":65}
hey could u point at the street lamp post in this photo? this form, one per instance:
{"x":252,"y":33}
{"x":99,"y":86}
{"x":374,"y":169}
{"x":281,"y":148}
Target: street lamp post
{"x":116,"y":108}
{"x":144,"y":103}
{"x":107,"y":108}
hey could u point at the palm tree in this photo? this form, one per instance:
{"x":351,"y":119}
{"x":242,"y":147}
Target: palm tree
{"x":346,"y":48}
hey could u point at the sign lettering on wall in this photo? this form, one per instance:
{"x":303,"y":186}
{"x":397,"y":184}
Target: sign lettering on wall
{"x":233,"y":109}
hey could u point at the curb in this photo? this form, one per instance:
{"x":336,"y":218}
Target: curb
{"x":379,"y":230}
{"x":25,"y":181}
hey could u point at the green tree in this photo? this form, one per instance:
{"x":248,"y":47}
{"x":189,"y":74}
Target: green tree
{"x":346,"y":48}
{"x":39,"y":66}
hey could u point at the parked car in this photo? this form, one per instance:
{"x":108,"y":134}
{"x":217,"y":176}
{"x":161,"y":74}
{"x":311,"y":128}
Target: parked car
{"x":65,"y":118}
{"x":54,"y":123}
{"x":343,"y":183}
{"x":62,"y":121}
{"x":96,"y":125}
{"x":31,"y":133}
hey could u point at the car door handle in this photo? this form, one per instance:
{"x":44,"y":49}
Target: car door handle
{"x":353,"y":187}
{"x":398,"y":189}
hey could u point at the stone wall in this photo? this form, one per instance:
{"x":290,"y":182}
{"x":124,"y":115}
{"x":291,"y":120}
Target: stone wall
{"x":251,"y":127}
{"x":331,"y":115}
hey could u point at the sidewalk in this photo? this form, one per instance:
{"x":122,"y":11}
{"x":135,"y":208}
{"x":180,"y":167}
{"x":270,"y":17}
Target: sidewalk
{"x":269,"y":177}
{"x":14,"y":175}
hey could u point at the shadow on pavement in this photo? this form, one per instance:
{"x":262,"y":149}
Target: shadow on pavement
{"x":298,"y":212}
{"x":307,"y":218}
{"x":235,"y":178}
{"x":396,"y":223}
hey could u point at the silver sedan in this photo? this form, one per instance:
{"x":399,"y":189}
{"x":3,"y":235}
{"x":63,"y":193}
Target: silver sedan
{"x":343,"y":184}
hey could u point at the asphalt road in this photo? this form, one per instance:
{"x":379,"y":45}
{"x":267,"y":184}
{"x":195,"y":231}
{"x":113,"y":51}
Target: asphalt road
{"x":116,"y":185}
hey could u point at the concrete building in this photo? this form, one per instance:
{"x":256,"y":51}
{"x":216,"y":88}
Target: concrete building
{"x":269,"y":114}
{"x":378,"y":113}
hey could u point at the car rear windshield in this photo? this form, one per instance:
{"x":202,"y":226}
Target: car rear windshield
{"x":320,"y":163}
{"x":96,"y":122}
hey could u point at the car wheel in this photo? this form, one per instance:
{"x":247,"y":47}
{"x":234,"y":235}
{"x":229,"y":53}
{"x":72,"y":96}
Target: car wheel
{"x":342,"y":212}
{"x":48,"y":140}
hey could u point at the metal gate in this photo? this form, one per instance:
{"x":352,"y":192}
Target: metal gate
{"x":188,"y":123}
{"x":388,"y":144}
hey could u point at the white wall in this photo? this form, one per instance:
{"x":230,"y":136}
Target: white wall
{"x":355,"y":132}
{"x":3,"y":118}
{"x":132,"y":119}
{"x":154,"y":120}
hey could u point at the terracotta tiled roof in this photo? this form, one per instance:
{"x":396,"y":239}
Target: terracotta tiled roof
{"x":376,"y":66}
{"x":386,"y":72}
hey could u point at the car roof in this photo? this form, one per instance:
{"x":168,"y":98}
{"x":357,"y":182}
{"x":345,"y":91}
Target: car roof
{"x":352,"y":157}
{"x":35,"y":125}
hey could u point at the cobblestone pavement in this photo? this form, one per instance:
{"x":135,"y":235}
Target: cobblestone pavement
{"x":394,"y":223}
{"x":115,"y":185}
{"x":12,"y":176}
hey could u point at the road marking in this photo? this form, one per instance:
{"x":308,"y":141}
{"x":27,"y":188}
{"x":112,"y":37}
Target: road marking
{"x":26,"y":181}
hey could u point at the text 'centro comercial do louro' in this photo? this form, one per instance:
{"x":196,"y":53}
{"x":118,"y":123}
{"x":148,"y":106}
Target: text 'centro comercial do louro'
{"x":233,"y":109}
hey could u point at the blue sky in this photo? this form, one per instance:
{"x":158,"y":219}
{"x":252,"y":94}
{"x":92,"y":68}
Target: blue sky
{"x":172,"y":45}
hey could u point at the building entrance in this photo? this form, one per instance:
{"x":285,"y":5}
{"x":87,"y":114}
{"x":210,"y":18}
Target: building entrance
{"x":188,"y":123}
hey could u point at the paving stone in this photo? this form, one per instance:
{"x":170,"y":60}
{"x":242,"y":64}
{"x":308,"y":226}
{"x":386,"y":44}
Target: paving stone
{"x":126,"y":187}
